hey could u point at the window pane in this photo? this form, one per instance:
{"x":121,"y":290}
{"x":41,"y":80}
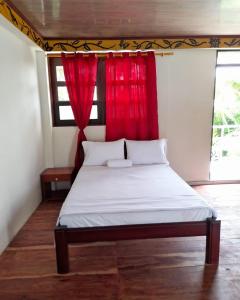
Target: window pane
{"x":60,"y":73}
{"x":225,"y":156}
{"x":66,"y":113}
{"x":62,"y":93}
{"x":228,"y":57}
{"x":227,"y":95}
{"x":94,"y":113}
{"x":95,"y":94}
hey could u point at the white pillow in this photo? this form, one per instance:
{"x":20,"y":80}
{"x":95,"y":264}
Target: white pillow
{"x":119,"y":163}
{"x":98,"y":153}
{"x":147,"y":152}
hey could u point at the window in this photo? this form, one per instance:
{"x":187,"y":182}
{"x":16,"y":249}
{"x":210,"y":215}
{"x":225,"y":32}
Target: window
{"x":225,"y":156}
{"x":61,"y":109}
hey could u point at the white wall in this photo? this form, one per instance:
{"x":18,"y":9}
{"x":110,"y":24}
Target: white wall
{"x":185,"y":102}
{"x":185,"y":97}
{"x":44,"y":93}
{"x":21,"y":150}
{"x":64,"y":142}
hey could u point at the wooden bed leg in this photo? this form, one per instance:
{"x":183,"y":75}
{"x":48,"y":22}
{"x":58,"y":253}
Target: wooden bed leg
{"x":213,"y":241}
{"x":61,"y":251}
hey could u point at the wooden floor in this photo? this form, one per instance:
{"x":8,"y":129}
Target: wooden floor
{"x":143,"y":269}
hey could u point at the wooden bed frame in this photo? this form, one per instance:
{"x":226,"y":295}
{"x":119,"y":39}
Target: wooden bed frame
{"x":65,"y":236}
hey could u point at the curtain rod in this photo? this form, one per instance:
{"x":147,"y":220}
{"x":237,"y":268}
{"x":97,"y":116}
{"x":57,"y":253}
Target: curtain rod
{"x":115,"y":54}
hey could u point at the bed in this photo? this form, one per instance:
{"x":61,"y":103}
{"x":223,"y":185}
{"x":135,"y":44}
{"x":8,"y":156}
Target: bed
{"x":143,"y":201}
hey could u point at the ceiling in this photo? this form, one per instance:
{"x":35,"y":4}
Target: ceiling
{"x":131,"y":18}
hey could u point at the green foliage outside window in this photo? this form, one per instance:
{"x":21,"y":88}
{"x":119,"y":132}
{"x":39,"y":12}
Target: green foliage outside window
{"x":228,"y":112}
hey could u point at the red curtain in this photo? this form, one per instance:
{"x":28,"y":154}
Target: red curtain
{"x":131,"y":97}
{"x":80,"y":75}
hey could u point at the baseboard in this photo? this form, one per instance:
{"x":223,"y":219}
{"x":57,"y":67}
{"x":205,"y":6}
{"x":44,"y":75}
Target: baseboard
{"x":211,"y":182}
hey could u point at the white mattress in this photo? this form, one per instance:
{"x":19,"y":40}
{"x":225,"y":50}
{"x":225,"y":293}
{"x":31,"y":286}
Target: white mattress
{"x":103,"y":196}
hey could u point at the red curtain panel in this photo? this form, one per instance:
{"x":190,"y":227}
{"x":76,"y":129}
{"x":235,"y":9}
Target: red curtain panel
{"x":80,"y":75}
{"x":131,"y":97}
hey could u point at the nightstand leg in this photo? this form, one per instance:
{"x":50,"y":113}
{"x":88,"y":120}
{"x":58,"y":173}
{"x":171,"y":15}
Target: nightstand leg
{"x":46,"y":190}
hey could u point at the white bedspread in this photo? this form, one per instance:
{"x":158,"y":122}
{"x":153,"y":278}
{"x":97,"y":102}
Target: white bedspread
{"x":102,"y":196}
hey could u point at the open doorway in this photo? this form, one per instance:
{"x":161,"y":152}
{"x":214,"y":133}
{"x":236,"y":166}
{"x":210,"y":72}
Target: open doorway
{"x":225,"y":154}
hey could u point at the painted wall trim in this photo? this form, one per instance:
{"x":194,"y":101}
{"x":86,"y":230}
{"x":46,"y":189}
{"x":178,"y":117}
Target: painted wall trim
{"x":141,"y":44}
{"x":13,"y":17}
{"x":113,"y":44}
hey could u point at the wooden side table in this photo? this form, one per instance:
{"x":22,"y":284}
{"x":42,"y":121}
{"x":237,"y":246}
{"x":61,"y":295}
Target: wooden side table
{"x":55,"y":175}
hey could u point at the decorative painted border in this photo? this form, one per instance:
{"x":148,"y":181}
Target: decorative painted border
{"x":123,"y":44}
{"x":141,"y":44}
{"x":11,"y":15}
{"x":111,"y":44}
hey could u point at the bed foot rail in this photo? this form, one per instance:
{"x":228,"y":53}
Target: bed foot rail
{"x":213,"y":241}
{"x":61,"y":246}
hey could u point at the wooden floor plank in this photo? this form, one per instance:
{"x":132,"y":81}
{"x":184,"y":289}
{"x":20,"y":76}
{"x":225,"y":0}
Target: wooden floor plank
{"x":72,"y":287}
{"x":133,"y":270}
{"x":201,"y":282}
{"x":42,"y":262}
